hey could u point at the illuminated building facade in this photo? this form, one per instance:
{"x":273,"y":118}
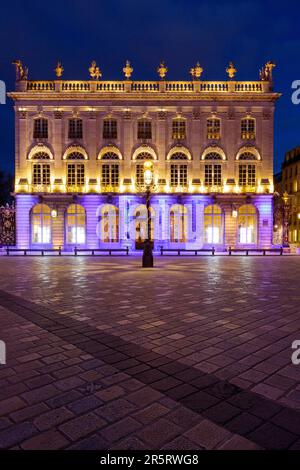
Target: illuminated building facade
{"x":81,"y":147}
{"x":290,"y":183}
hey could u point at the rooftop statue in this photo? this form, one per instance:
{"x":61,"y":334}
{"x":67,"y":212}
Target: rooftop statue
{"x":21,"y":72}
{"x":94,"y":70}
{"x":266,"y":73}
{"x":127,"y":70}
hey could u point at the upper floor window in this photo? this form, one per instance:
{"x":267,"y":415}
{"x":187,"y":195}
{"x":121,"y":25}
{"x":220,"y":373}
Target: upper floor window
{"x":213,"y":175}
{"x":40,"y":156}
{"x":248,"y":129}
{"x":110,"y":170}
{"x":144,"y":129}
{"x":41,"y":174}
{"x":247,"y":175}
{"x":178,"y":129}
{"x":213,"y":126}
{"x":75,"y":174}
{"x":75,"y":128}
{"x":40,"y":129}
{"x":110,"y":129}
{"x":139,"y":168}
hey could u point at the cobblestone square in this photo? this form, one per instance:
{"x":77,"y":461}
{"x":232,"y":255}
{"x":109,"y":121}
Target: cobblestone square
{"x":192,"y":354}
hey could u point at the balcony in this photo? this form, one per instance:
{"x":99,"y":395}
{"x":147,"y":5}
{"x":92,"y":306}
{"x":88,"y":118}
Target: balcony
{"x":144,"y":87}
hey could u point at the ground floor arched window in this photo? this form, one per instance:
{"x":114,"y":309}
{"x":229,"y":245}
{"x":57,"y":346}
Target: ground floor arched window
{"x":178,"y":224}
{"x":41,"y":224}
{"x":141,"y":225}
{"x":247,"y":224}
{"x":109,"y":224}
{"x":75,"y":224}
{"x":213,"y":224}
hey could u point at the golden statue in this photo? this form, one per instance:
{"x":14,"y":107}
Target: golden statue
{"x":266,"y":73}
{"x":59,"y":70}
{"x":127,"y":70}
{"x":162,"y":70}
{"x":21,"y":72}
{"x":196,"y":71}
{"x":231,"y":70}
{"x":95,"y":72}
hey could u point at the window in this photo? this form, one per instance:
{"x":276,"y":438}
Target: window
{"x":41,"y":174}
{"x":75,"y":174}
{"x":144,"y":129}
{"x":75,"y":129}
{"x":178,"y":175}
{"x":139,"y":169}
{"x":141,"y":224}
{"x":40,"y":156}
{"x":247,"y":175}
{"x":75,"y":224}
{"x":213,"y":175}
{"x":41,"y":224}
{"x":109,"y":224}
{"x":248,"y":129}
{"x":40,"y":129}
{"x":213,"y":225}
{"x":75,"y":156}
{"x":110,"y":129}
{"x":247,"y":224}
{"x":213,"y":126}
{"x":110,"y":175}
{"x":178,"y":129}
{"x":178,"y":224}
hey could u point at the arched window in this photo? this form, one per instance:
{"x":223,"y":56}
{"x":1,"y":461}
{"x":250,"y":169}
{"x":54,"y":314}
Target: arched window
{"x":213,"y":224}
{"x":178,"y":156}
{"x":247,"y":156}
{"x":41,"y":224}
{"x":178,"y":224}
{"x":75,"y":224}
{"x":109,"y":171}
{"x":141,"y":225}
{"x":248,"y":128}
{"x":179,"y":171}
{"x":41,"y":174}
{"x":75,"y":156}
{"x":40,"y":156}
{"x":213,"y":156}
{"x":139,"y":168}
{"x":109,"y":224}
{"x":247,"y":224}
{"x":40,"y":128}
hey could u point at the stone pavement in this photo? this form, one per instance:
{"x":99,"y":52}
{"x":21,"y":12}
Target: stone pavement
{"x":193,"y":354}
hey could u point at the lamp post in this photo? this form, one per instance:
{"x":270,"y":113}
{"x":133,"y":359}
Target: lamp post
{"x":285,"y":234}
{"x":148,"y":180}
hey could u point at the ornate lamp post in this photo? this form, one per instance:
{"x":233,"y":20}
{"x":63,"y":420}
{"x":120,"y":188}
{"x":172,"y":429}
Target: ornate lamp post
{"x":285,"y":234}
{"x":149,"y":181}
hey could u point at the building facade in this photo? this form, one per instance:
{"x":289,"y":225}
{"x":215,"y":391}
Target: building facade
{"x":290,"y":184}
{"x":81,"y":147}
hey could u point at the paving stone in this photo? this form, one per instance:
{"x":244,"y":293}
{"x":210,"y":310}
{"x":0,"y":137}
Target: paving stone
{"x":152,"y":435}
{"x":272,"y":437}
{"x":11,"y":404}
{"x":50,"y":440}
{"x":84,"y":404}
{"x":115,"y":409}
{"x":239,"y":443}
{"x":120,"y":429}
{"x":152,"y":412}
{"x":94,"y":442}
{"x":29,"y":412}
{"x":16,"y":434}
{"x":81,"y":426}
{"x":207,"y":434}
{"x":243,"y":423}
{"x":52,"y":418}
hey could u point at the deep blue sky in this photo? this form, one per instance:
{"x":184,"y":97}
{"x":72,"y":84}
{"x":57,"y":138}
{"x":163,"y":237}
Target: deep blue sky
{"x":179,"y":31}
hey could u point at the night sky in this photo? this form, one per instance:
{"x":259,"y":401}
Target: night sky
{"x":181,"y":32}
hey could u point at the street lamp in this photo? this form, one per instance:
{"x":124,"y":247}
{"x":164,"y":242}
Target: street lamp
{"x":285,"y":236}
{"x":148,"y":181}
